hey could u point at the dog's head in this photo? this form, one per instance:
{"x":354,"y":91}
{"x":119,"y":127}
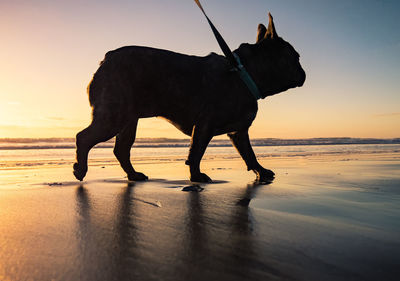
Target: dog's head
{"x":273,"y":62}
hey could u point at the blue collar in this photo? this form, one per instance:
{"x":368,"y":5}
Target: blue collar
{"x":246,"y":78}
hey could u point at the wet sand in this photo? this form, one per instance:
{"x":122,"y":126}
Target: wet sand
{"x":322,"y":218}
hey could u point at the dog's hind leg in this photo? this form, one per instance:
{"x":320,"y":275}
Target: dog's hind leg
{"x":96,"y":132}
{"x":241,"y":142}
{"x":201,"y":136}
{"x":123,"y":144}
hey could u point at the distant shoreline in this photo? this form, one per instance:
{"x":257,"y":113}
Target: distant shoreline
{"x":69,"y":143}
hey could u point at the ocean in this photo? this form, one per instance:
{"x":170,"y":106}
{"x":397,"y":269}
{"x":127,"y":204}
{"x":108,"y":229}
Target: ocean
{"x":25,"y":153}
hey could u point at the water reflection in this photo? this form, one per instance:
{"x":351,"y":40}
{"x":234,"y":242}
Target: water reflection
{"x":83,"y":217}
{"x":194,"y":251}
{"x":245,"y":252}
{"x":84,"y":234}
{"x":215,"y":239}
{"x":82,"y":208}
{"x":125,"y":236}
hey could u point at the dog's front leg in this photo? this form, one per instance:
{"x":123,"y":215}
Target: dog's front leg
{"x":201,"y":136}
{"x":241,"y":141}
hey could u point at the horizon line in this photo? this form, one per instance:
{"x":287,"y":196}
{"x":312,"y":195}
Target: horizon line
{"x":165,"y":139}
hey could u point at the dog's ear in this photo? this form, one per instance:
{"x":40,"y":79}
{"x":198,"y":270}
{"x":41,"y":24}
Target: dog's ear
{"x":261,"y":32}
{"x":271,"y":32}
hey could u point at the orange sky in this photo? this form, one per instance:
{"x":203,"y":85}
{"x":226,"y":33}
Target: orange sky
{"x":50,"y":50}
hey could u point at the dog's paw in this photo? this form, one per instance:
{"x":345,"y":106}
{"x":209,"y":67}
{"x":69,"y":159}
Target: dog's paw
{"x":265,"y":176}
{"x":79,"y":173}
{"x":137,"y":176}
{"x":200,"y":177}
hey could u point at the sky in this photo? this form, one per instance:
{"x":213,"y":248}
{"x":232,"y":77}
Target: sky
{"x":350,"y":50}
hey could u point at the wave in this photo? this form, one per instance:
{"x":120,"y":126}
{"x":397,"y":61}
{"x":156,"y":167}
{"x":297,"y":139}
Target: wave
{"x":69,"y":143}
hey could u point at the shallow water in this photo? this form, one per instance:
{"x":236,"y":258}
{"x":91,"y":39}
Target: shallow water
{"x":17,"y":158}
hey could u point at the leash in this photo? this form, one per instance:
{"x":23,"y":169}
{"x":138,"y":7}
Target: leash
{"x":233,"y":58}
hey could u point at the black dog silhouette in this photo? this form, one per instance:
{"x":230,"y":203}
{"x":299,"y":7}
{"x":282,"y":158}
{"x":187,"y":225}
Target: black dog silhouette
{"x":201,"y":96}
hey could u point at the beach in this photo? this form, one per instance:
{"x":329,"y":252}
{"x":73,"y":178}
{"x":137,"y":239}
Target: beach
{"x":331,"y":213}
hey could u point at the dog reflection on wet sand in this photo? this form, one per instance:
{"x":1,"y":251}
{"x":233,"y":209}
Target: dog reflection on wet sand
{"x":205,"y":240}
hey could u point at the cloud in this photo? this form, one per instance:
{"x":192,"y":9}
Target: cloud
{"x":391,"y":114}
{"x":20,"y":131}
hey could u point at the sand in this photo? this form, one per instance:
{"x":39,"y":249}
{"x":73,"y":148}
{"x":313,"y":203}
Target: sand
{"x":323,"y":218}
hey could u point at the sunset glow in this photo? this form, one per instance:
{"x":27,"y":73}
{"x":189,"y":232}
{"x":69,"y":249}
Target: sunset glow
{"x":50,"y":50}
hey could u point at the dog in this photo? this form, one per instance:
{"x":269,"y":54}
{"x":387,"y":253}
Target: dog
{"x":201,"y":96}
